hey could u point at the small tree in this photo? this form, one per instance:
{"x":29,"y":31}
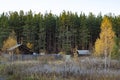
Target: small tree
{"x":29,"y":45}
{"x":116,"y":52}
{"x":11,"y":41}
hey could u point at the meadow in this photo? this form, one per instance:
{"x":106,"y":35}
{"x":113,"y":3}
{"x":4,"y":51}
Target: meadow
{"x":49,"y":68}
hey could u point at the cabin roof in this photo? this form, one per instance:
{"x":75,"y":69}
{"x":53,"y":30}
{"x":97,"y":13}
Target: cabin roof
{"x":14,"y":47}
{"x":83,"y":52}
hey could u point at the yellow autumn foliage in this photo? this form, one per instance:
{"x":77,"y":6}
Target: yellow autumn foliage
{"x":98,"y":47}
{"x":29,"y":45}
{"x":10,"y":42}
{"x":106,"y":40}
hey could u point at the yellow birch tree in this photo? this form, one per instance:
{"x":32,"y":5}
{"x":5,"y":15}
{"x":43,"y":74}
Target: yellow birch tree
{"x":105,"y":43}
{"x":10,"y":42}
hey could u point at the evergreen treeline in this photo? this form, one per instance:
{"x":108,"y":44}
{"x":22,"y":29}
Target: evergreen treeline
{"x":54,"y":33}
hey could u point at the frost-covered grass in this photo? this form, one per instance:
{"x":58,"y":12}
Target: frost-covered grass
{"x":85,"y":68}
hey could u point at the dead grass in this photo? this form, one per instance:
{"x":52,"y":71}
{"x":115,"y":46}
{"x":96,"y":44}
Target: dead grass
{"x":86,"y":68}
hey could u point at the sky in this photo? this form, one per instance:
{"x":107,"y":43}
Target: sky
{"x":57,"y":6}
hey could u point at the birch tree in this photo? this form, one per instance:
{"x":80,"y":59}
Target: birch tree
{"x":104,"y":44}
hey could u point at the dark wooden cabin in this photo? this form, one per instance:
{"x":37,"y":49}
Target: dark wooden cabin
{"x":22,"y":48}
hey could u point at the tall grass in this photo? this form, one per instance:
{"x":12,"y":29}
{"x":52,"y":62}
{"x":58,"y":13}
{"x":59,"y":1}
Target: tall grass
{"x":49,"y":69}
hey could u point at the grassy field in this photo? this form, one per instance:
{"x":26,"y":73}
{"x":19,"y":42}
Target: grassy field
{"x":84,"y":68}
